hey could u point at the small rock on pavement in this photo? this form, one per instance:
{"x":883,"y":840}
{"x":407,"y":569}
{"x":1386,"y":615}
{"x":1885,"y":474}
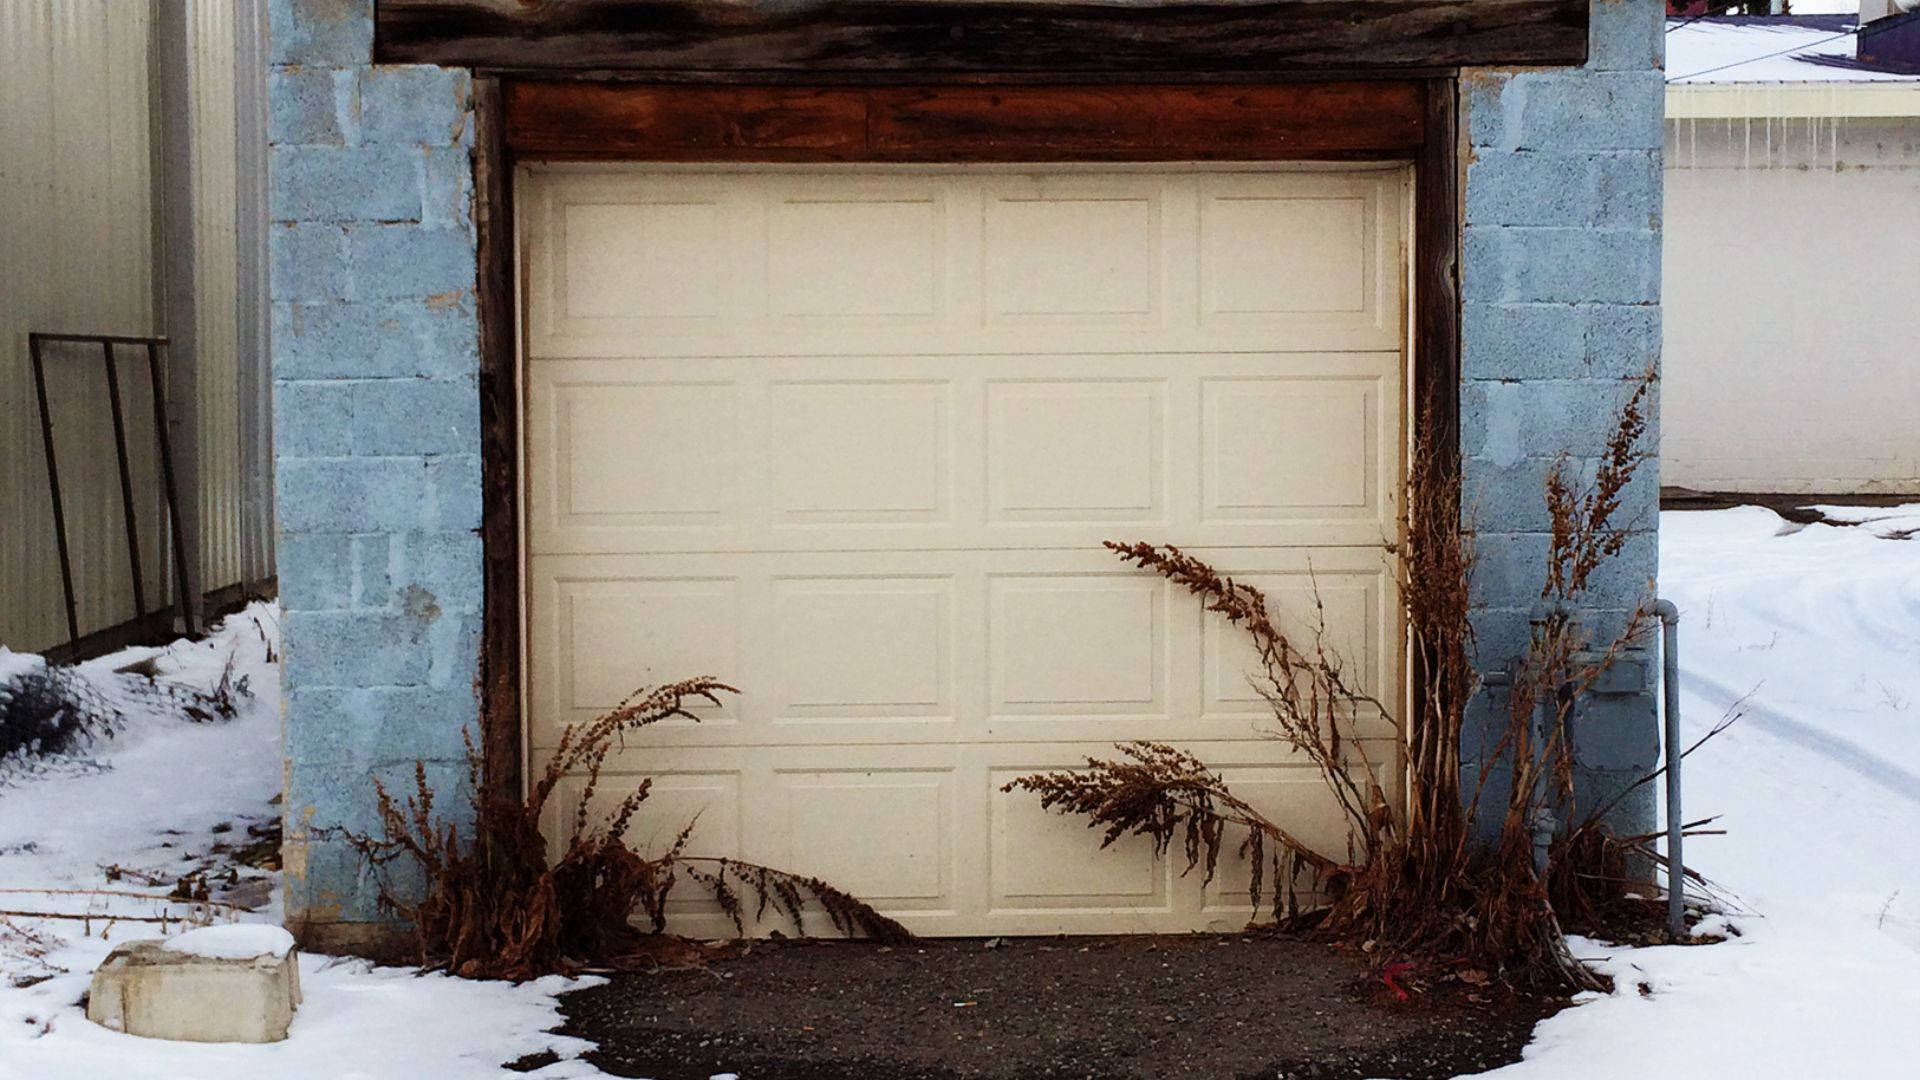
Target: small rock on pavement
{"x":236,"y":983}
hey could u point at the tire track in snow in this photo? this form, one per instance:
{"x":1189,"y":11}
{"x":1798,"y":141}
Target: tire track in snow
{"x":1757,"y":714}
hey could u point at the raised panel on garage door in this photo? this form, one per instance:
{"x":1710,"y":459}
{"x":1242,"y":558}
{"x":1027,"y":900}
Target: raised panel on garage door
{"x":849,"y":438}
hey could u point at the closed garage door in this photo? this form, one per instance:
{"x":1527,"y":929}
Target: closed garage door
{"x":850,"y":439}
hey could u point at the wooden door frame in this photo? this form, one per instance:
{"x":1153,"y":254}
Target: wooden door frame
{"x":1413,"y":121}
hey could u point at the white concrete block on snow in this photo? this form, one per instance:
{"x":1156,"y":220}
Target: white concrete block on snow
{"x":234,"y":983}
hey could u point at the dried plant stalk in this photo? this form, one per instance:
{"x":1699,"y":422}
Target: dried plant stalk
{"x":494,"y":906}
{"x":1414,"y":881}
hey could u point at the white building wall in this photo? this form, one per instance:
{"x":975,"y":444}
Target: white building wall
{"x":1792,"y":340}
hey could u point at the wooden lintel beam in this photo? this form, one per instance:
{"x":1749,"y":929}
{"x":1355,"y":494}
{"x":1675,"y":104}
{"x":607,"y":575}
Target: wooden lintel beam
{"x":638,"y":122}
{"x":959,"y":38}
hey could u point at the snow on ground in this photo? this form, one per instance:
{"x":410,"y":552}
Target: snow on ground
{"x":1813,"y":634}
{"x":154,"y":799}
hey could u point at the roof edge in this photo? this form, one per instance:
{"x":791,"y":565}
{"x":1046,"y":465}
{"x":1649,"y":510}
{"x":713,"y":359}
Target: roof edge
{"x":1713,"y":101}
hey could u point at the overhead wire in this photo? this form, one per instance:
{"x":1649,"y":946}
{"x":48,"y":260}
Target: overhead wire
{"x":1802,"y":47}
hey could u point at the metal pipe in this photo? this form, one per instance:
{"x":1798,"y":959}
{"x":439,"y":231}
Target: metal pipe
{"x":126,"y":480}
{"x":1547,"y":717}
{"x":53,"y":480}
{"x":1670,"y":685}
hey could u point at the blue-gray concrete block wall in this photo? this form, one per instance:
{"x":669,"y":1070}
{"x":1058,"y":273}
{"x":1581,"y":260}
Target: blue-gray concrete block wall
{"x":376,"y":428}
{"x":376,"y":406}
{"x":1561,"y":290}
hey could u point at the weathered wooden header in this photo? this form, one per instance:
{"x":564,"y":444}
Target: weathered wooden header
{"x":958,"y":38}
{"x":641,"y":122}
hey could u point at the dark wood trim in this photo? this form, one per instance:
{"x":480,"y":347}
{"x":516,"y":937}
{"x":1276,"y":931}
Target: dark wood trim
{"x":754,"y":38}
{"x":651,"y":122}
{"x":499,"y":681}
{"x":1436,"y":332}
{"x":1436,"y":272}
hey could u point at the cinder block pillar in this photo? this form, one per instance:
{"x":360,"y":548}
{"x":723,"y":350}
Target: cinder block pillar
{"x":1561,"y":281}
{"x":376,"y":432}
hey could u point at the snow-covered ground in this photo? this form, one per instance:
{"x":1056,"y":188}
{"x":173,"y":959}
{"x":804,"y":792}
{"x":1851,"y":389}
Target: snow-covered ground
{"x":154,"y":799}
{"x":1812,"y":633}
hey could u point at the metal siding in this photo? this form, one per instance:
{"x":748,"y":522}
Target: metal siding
{"x":76,"y":210}
{"x":210,"y":51}
{"x":78,"y":152}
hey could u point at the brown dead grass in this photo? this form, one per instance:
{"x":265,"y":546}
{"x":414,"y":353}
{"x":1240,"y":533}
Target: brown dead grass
{"x":490,"y":903}
{"x":1414,"y":885}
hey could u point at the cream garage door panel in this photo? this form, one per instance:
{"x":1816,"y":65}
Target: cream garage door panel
{"x":817,"y":453}
{"x":925,"y":834}
{"x":850,"y":439}
{"x":933,"y":646}
{"x":696,"y":262}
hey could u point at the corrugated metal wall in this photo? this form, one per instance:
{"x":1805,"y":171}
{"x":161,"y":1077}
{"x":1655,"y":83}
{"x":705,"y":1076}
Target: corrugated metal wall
{"x":82,"y":241}
{"x":77,"y":255}
{"x":210,"y":87}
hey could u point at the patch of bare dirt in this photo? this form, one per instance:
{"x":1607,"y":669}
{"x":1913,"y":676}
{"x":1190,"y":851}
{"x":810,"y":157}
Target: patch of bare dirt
{"x":1132,"y":1008}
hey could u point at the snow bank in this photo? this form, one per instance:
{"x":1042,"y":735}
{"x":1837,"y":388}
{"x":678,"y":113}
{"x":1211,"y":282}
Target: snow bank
{"x":1813,"y":635}
{"x":151,"y":802}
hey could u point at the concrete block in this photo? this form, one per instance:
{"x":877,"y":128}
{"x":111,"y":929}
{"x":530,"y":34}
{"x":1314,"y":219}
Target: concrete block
{"x":373,"y":571}
{"x":455,"y":645}
{"x":305,"y":106}
{"x":1484,"y":723}
{"x":446,"y":199}
{"x":453,"y":484}
{"x":357,"y":648}
{"x":393,"y":261}
{"x":1628,"y":190}
{"x":1522,"y":187}
{"x":1633,"y":812}
{"x":1506,"y":498}
{"x":1564,"y":109}
{"x":1621,"y":339}
{"x":447,"y":564}
{"x":233,"y":984}
{"x":324,"y":880}
{"x":344,"y":183}
{"x":414,"y":105}
{"x":1500,"y":636}
{"x":1523,"y":341}
{"x":351,"y":494}
{"x":1555,"y":265}
{"x":1627,"y":35}
{"x":320,"y":31}
{"x":316,"y":570}
{"x":313,"y":419}
{"x":416,"y":416}
{"x":308,"y":262}
{"x":1504,"y":421}
{"x":1483,"y":99}
{"x":382,"y":340}
{"x":1509,"y":569}
{"x":1627,"y":579}
{"x":358,"y":729}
